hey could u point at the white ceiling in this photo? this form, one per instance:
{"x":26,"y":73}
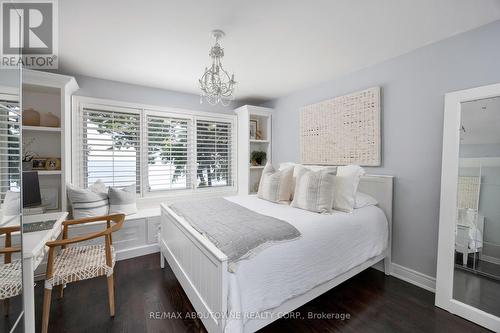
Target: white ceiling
{"x":481,"y":120}
{"x":273,"y":47}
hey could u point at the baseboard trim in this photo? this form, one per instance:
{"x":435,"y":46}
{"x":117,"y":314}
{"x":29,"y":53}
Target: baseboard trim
{"x":492,"y":260}
{"x":416,"y":278}
{"x":137,"y":251}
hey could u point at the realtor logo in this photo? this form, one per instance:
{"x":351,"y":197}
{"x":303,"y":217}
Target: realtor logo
{"x":29,"y":34}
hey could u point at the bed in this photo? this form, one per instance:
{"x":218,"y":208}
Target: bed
{"x":284,"y":276}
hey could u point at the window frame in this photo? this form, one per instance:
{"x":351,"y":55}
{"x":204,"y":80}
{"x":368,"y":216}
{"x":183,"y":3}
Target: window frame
{"x":80,"y":103}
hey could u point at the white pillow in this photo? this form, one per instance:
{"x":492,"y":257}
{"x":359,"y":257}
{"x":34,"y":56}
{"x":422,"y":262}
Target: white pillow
{"x":297,"y":167}
{"x":87,"y":203}
{"x":314,"y":191}
{"x":364,"y":200}
{"x":275,"y":186}
{"x":11,"y":204}
{"x":346,"y":186}
{"x":122,"y":200}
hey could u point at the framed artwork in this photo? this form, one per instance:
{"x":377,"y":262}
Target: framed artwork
{"x":343,"y":130}
{"x":50,"y":197}
{"x":254,"y":127}
{"x":39,"y":163}
{"x":53,"y":163}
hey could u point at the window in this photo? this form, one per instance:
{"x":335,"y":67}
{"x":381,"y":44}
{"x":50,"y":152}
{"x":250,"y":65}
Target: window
{"x":10,"y":150}
{"x":158,"y":151}
{"x":168,"y":153}
{"x":110,"y":147}
{"x":213,"y":153}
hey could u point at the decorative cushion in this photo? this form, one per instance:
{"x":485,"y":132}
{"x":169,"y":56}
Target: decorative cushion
{"x":314,"y":191}
{"x":122,"y":200}
{"x":275,"y":186}
{"x":346,"y":186}
{"x":11,"y":203}
{"x":80,"y":263}
{"x":87,"y":203}
{"x":364,"y":200}
{"x":297,"y":167}
{"x":10,"y":279}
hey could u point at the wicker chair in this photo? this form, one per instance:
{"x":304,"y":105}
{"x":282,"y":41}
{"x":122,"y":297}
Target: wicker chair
{"x":77,"y":263}
{"x":10,"y":272}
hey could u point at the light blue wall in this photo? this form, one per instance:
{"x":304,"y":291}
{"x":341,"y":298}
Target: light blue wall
{"x":413,"y":88}
{"x":480,"y":150}
{"x":120,"y":91}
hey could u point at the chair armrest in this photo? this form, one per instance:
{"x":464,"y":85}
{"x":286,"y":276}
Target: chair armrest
{"x":104,"y":218}
{"x":79,"y":239}
{"x":7,"y":250}
{"x":8,"y":230}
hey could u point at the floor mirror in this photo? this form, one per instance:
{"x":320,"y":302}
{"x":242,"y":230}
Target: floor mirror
{"x":468,"y":271}
{"x":11,"y":307}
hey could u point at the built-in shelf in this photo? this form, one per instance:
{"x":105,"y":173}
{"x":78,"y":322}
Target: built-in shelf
{"x":41,"y":129}
{"x":259,"y":141}
{"x":48,"y":172}
{"x":257,"y":166}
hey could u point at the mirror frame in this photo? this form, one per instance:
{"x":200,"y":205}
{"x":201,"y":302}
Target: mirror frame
{"x":448,"y":207}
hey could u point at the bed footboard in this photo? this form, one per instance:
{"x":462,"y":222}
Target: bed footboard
{"x":199,"y":266}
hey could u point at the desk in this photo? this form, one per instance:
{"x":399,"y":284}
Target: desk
{"x":34,"y":250}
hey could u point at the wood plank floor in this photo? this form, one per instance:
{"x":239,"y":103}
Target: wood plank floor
{"x":375,"y":303}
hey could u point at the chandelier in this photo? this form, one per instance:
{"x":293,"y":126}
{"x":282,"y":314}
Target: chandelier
{"x":216,"y":85}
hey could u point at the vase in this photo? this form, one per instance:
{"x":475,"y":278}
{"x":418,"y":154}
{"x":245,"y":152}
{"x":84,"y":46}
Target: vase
{"x":31,"y":117}
{"x":27,"y":166}
{"x":50,"y":120}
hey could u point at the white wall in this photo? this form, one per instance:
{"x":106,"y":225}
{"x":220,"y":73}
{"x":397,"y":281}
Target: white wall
{"x":413,"y":88}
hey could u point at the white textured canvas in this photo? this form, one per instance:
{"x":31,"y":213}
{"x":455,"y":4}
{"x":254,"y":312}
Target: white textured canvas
{"x":468,"y":192}
{"x":343,"y":130}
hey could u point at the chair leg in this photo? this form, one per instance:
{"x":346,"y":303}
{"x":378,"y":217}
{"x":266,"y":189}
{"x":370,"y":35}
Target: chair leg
{"x":46,"y":310}
{"x":60,"y":291}
{"x":111,"y":296}
{"x":6,"y":307}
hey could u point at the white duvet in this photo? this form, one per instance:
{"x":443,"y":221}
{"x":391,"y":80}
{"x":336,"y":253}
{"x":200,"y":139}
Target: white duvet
{"x":329,"y":246}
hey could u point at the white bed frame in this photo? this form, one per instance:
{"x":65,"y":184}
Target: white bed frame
{"x":201,"y":268}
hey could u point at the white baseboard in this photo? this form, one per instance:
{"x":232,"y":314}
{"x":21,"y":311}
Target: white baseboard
{"x":416,"y":278}
{"x":493,"y":260}
{"x":137,"y":251}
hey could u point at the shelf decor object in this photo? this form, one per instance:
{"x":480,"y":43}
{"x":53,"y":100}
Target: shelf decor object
{"x":31,"y":117}
{"x":343,"y":130}
{"x":216,"y":85}
{"x":253,"y":151}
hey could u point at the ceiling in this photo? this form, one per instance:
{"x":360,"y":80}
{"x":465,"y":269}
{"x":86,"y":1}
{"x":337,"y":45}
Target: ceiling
{"x":273,"y":47}
{"x":481,"y":121}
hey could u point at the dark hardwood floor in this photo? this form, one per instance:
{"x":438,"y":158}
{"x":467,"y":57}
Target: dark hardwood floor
{"x":374,"y":302}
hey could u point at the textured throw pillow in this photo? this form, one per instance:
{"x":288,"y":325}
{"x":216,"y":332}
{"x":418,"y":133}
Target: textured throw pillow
{"x":314,"y":191}
{"x":122,"y":200}
{"x":364,"y":200}
{"x":11,"y":204}
{"x":346,"y":186}
{"x":299,"y":167}
{"x":87,"y":203}
{"x":275,"y":186}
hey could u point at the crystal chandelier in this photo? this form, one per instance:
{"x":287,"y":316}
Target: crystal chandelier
{"x":216,"y":84}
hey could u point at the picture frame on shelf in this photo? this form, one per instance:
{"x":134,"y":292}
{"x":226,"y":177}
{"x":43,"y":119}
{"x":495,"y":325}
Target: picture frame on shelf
{"x":53,"y":163}
{"x":39,"y":163}
{"x":50,"y":197}
{"x":254,"y":127}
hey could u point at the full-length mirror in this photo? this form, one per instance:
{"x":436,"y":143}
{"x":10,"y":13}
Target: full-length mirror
{"x":477,"y":237}
{"x":10,"y":198}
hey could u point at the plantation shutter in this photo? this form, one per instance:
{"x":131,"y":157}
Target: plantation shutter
{"x":110,"y":147}
{"x":10,"y":147}
{"x":168,"y":153}
{"x":214,"y":152}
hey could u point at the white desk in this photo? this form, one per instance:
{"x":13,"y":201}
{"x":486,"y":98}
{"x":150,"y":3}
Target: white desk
{"x":34,"y":250}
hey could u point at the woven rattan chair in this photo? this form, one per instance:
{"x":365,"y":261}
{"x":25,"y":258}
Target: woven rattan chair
{"x":83,"y":262}
{"x":10,"y":272}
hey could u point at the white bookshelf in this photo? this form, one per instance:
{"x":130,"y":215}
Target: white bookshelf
{"x":248,"y":174}
{"x":48,"y":92}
